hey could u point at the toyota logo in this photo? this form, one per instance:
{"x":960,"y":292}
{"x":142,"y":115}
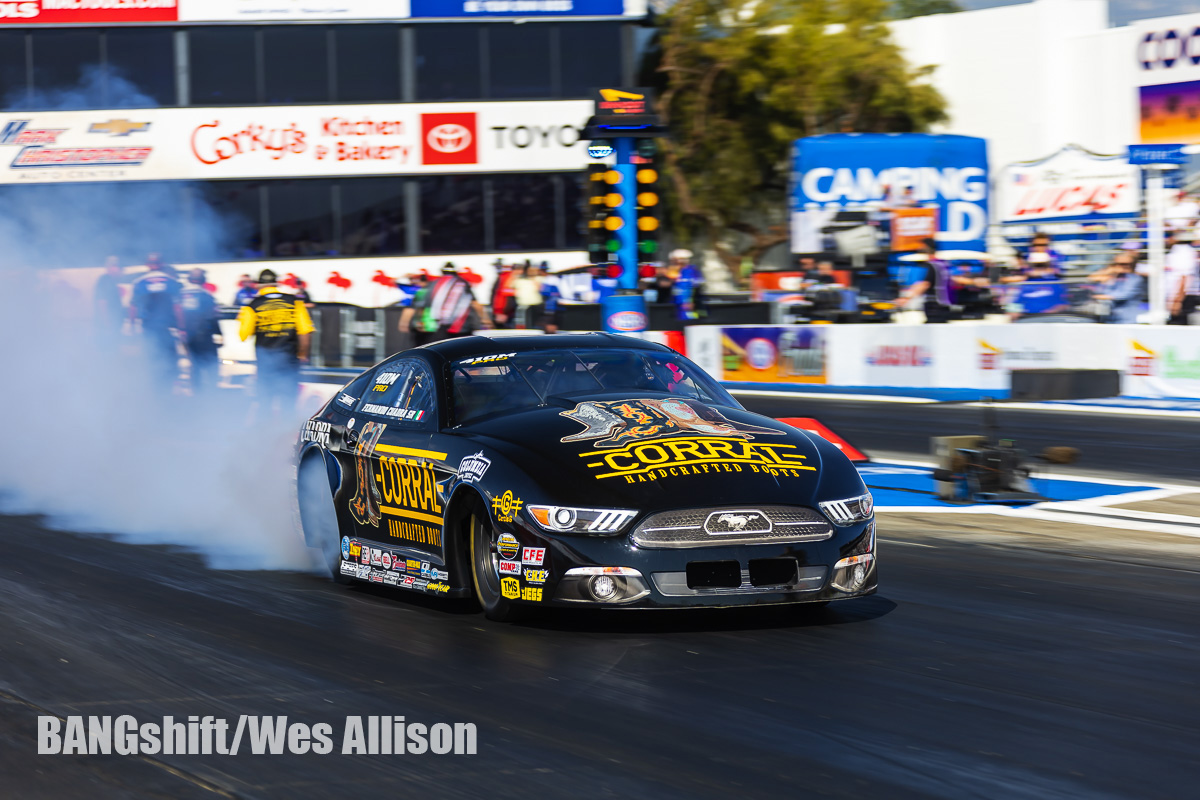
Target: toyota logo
{"x":449,"y":137}
{"x":1167,"y":48}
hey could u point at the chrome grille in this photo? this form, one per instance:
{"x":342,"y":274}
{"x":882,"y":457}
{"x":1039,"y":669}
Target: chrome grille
{"x":686,"y":528}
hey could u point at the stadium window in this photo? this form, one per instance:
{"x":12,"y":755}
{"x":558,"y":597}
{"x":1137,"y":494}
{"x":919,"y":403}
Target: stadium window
{"x":223,"y":66}
{"x":368,"y":63}
{"x":573,"y":218}
{"x":301,"y":218}
{"x":373,"y":219}
{"x":230,"y":214}
{"x":452,"y":214}
{"x":519,"y":60}
{"x":296,"y":64}
{"x":448,"y":62}
{"x":523,"y":209}
{"x":66,"y":69}
{"x":14,"y":90}
{"x":140,"y":68}
{"x":590,"y":56}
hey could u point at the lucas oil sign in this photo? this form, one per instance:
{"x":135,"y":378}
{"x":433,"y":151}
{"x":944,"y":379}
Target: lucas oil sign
{"x":869,"y":171}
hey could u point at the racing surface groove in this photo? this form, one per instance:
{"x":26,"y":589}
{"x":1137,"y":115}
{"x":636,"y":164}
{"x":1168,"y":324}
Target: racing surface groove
{"x":1052,"y":662}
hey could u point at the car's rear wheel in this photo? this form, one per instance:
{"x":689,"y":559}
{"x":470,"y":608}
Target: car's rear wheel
{"x":485,"y":570}
{"x":318,"y":516}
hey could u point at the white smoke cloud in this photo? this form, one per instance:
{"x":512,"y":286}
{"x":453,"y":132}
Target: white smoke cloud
{"x":93,"y":440}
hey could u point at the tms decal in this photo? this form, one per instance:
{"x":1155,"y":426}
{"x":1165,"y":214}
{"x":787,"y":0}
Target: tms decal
{"x":617,"y":422}
{"x":510,"y":588}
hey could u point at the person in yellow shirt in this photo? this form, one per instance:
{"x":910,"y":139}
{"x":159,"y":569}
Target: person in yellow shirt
{"x":283,"y":330}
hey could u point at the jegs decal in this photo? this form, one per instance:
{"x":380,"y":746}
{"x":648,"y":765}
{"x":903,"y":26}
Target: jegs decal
{"x":617,"y":422}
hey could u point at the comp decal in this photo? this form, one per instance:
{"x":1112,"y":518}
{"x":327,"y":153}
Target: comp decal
{"x":617,"y":422}
{"x":639,"y":462}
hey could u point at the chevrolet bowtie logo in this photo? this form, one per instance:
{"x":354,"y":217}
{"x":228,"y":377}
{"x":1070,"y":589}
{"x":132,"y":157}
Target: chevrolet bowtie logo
{"x":119,"y":127}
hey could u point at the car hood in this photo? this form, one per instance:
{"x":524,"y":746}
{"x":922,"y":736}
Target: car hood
{"x":655,"y":453}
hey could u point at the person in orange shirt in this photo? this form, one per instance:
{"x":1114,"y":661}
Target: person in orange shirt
{"x":283,"y":330}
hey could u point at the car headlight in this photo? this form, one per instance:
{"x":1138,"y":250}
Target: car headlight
{"x":851,"y":511}
{"x":562,"y":519}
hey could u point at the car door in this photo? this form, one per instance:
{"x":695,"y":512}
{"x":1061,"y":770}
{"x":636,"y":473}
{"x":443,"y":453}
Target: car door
{"x":395,"y":499}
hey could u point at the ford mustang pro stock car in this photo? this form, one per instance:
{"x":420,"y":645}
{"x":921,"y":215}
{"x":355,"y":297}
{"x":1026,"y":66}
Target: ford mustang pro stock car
{"x":576,"y":470}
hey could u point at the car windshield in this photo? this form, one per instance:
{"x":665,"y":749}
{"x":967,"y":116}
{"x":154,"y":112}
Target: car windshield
{"x":508,"y":382}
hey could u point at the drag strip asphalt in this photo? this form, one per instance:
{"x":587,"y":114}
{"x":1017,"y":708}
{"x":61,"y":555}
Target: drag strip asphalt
{"x":1053,"y":661}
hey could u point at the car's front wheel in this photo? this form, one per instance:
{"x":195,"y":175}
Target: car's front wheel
{"x":485,"y":570}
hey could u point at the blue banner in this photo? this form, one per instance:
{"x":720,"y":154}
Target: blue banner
{"x":517,"y":8}
{"x":873,"y":171}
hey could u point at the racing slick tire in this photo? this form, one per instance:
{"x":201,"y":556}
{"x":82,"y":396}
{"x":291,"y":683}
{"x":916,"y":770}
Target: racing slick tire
{"x":485,"y":575}
{"x":318,"y":517}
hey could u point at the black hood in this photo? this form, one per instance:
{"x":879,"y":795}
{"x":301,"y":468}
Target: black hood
{"x":658,"y":452}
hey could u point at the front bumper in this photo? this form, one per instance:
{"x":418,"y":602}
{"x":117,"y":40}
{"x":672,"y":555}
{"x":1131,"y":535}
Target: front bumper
{"x":710,"y":576}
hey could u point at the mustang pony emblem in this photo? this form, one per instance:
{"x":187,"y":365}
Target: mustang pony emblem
{"x":735,"y":521}
{"x":621,"y":421}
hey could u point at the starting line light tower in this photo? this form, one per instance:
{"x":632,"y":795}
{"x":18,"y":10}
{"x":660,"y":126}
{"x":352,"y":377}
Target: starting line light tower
{"x":626,"y":220}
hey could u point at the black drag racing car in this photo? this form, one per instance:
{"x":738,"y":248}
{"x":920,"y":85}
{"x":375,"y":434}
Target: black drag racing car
{"x":576,"y":470}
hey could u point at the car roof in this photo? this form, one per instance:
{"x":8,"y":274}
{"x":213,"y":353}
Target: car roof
{"x":470,"y":346}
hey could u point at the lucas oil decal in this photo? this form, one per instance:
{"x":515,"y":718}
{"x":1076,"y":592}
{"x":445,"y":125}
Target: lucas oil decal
{"x":638,"y":462}
{"x":616,"y":422}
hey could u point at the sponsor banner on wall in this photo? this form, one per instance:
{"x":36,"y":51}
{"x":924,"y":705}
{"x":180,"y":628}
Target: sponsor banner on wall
{"x":774,"y":354}
{"x":1073,"y":185}
{"x":862,"y":170}
{"x":271,"y":10}
{"x":1167,"y":53}
{"x":292,"y":141}
{"x":1161,"y":363}
{"x":77,"y":12}
{"x":527,"y":8}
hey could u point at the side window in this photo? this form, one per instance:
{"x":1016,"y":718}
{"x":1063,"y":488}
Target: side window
{"x":348,"y":396}
{"x":401,"y":392}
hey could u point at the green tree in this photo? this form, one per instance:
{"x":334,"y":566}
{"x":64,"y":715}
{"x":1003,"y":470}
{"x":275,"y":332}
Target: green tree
{"x":907,"y":9}
{"x":739,"y":80}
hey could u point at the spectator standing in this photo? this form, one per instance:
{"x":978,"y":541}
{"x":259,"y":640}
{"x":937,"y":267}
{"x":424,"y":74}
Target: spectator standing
{"x":932,"y":283}
{"x":451,"y":309}
{"x":660,"y":288}
{"x":527,"y":289}
{"x":155,"y":305}
{"x":688,"y":285}
{"x":202,"y":332}
{"x":413,"y":319}
{"x":1183,"y":213}
{"x":1180,"y":278}
{"x":504,"y":296}
{"x":551,"y":293}
{"x":283,"y":332}
{"x":109,"y":311}
{"x":1122,"y":290}
{"x":246,"y":291}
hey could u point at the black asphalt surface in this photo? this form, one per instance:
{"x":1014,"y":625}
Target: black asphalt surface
{"x":987,"y":667}
{"x":1162,"y":448}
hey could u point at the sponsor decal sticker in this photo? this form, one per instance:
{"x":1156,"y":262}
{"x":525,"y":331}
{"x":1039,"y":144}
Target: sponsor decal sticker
{"x":317,"y":431}
{"x":385,"y":381}
{"x":347,"y":401}
{"x":355,"y":549}
{"x":346,"y":547}
{"x":510,"y":568}
{"x":439,"y":588}
{"x":506,"y":506}
{"x":537,"y":576}
{"x":510,"y":588}
{"x":409,"y":580}
{"x":470,"y":362}
{"x":532,"y":593}
{"x":533,"y":555}
{"x":508,"y":546}
{"x":392,"y":578}
{"x":349,"y":568}
{"x":639,"y":462}
{"x":472,"y":468}
{"x":413,"y":566}
{"x":387,"y":560}
{"x":364,"y":571}
{"x":376,"y":557}
{"x":616,"y":422}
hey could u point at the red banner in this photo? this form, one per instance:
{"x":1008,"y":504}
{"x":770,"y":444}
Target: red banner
{"x":66,"y":12}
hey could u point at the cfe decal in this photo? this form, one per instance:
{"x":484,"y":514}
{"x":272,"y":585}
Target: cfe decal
{"x":616,"y":422}
{"x":506,"y":506}
{"x":639,"y":462}
{"x":364,"y":505}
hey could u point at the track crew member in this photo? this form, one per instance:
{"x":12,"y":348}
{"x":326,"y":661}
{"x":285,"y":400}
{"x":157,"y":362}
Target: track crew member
{"x":155,"y":304}
{"x":283,"y":331}
{"x":202,"y":332}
